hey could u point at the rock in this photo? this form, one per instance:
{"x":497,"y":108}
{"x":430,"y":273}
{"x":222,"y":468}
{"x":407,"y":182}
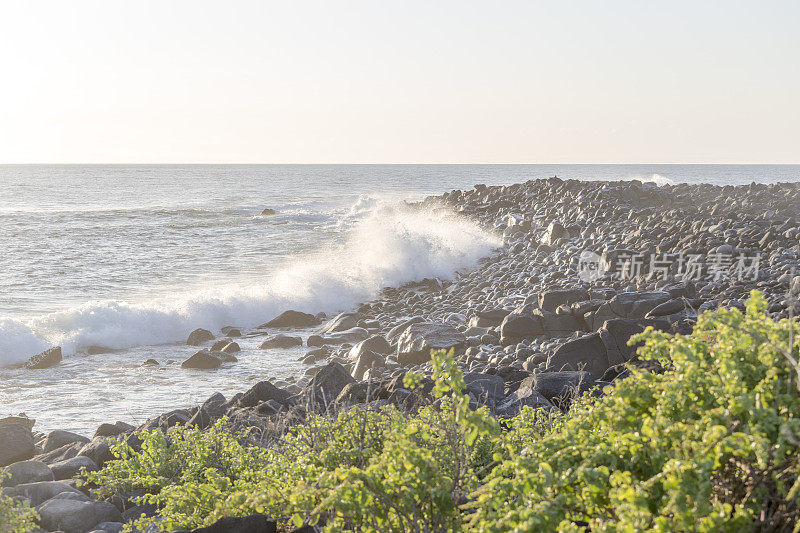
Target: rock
{"x":98,"y":451}
{"x":517,"y":327}
{"x":231,"y":347}
{"x":65,"y":452}
{"x":555,"y":231}
{"x":348,"y":336}
{"x":551,"y":300}
{"x":69,"y":468}
{"x":256,"y":523}
{"x":112,"y":430}
{"x":328,"y":383}
{"x":292,"y":319}
{"x":199,"y":336}
{"x":231,"y":331}
{"x":587,"y":352}
{"x":280,"y":341}
{"x":16,"y":444}
{"x":41,"y":491}
{"x":21,"y":420}
{"x":267,"y":212}
{"x":487,"y":388}
{"x":151,"y":362}
{"x":376,"y":344}
{"x":109,"y":527}
{"x":203,"y":360}
{"x":340,"y":322}
{"x":615,"y":334}
{"x":263,"y":391}
{"x":96,"y":350}
{"x":560,"y":387}
{"x":73,"y":516}
{"x":58,"y":438}
{"x":26,"y":472}
{"x":355,"y":393}
{"x":398,"y":330}
{"x":366,"y":361}
{"x":415,"y":344}
{"x":46,"y":359}
{"x":522,"y":397}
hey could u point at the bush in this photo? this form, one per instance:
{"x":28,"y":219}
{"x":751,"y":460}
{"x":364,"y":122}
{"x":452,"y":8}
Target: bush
{"x":15,"y":517}
{"x":711,"y":444}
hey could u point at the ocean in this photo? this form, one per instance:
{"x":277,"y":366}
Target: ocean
{"x":133,"y":258}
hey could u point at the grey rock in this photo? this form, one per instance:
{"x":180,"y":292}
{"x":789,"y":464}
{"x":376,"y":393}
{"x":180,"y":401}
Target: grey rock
{"x":292,"y":319}
{"x":202,"y":360}
{"x":46,"y":359}
{"x":199,"y":336}
{"x":26,"y":472}
{"x":41,"y":491}
{"x":340,"y":322}
{"x":69,"y":468}
{"x":16,"y":444}
{"x":280,"y":341}
{"x":58,"y":438}
{"x":415,"y":344}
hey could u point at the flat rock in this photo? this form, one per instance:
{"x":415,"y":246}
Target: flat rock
{"x":415,"y":344}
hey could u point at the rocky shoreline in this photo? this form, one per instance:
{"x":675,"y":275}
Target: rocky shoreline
{"x":583,"y":266}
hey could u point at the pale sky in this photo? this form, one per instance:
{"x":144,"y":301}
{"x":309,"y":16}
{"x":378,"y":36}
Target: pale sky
{"x":235,"y":81}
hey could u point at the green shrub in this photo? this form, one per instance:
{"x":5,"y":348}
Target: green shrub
{"x":709,"y":445}
{"x":15,"y":517}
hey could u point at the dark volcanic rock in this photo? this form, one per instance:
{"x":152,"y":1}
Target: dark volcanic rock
{"x":415,"y":344}
{"x":328,"y":383}
{"x":263,"y":391}
{"x":520,"y":326}
{"x":587,"y":352}
{"x":292,"y":319}
{"x":46,"y":359}
{"x":551,"y":300}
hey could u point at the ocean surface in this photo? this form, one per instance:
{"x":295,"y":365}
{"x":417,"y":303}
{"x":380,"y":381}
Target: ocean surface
{"x":133,"y":258}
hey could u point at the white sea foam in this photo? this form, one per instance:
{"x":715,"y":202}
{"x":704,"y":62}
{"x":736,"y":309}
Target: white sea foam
{"x":388,"y":244}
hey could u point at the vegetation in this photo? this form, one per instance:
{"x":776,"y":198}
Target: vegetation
{"x":711,"y":444}
{"x":15,"y":517}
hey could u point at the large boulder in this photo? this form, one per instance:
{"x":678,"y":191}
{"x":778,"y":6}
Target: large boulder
{"x":551,"y":300}
{"x":40,"y":491}
{"x":348,"y":336}
{"x":70,"y":467}
{"x":560,"y":387}
{"x":26,"y":472}
{"x":486,"y":388}
{"x":203,"y":360}
{"x":46,"y":359}
{"x":75,"y":516}
{"x":280,"y":341}
{"x":16,"y":444}
{"x":21,"y":420}
{"x":58,"y":438}
{"x":199,"y":336}
{"x":616,"y":333}
{"x":98,"y":451}
{"x":340,"y":322}
{"x":328,"y":383}
{"x":292,"y":319}
{"x":398,"y":330}
{"x":211,"y":410}
{"x":415,"y":344}
{"x":522,"y":397}
{"x":584,"y":353}
{"x":263,"y":391}
{"x":376,"y":344}
{"x":367,"y":360}
{"x":520,"y":326}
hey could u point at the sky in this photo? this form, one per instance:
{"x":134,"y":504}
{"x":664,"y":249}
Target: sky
{"x":377,"y":81}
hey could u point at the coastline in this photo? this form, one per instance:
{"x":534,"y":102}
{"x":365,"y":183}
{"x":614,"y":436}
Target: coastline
{"x":580,"y":271}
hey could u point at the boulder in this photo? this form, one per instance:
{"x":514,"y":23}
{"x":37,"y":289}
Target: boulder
{"x":560,"y":387}
{"x":616,"y":333}
{"x":263,"y":391}
{"x":551,"y":300}
{"x":65,"y":452}
{"x":415,"y":344}
{"x":376,"y":344}
{"x":487,"y":388}
{"x":199,"y":336}
{"x":398,"y":330}
{"x":16,"y":444}
{"x":211,"y":410}
{"x":280,"y":341}
{"x":73,"y":516}
{"x":69,"y":468}
{"x":46,"y":359}
{"x":41,"y":491}
{"x":21,"y":420}
{"x":267,"y":212}
{"x":367,"y":360}
{"x":203,"y":360}
{"x":348,"y":336}
{"x":584,"y":353}
{"x":231,"y":347}
{"x":112,"y":430}
{"x":328,"y":383}
{"x":58,"y":438}
{"x":26,"y":472}
{"x":292,"y":319}
{"x":340,"y":322}
{"x":98,"y":451}
{"x":231,"y":331}
{"x":517,"y":327}
{"x":522,"y":397}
